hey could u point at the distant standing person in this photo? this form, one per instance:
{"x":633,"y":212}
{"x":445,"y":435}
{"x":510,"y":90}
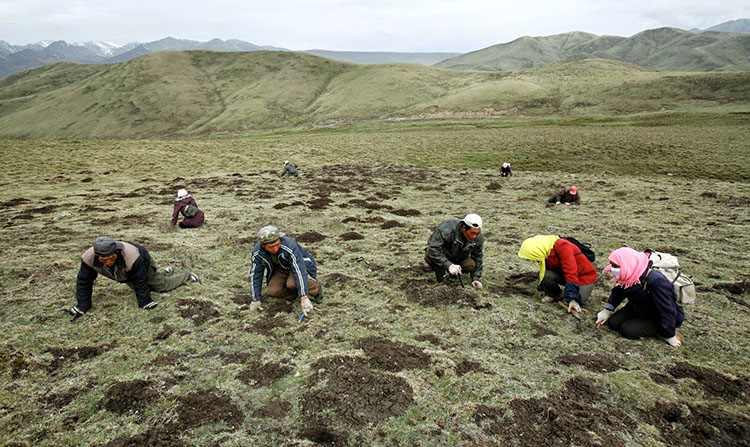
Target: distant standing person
{"x":505,"y":170}
{"x":566,"y":196}
{"x":125,"y":262}
{"x":651,"y":310}
{"x":290,"y":270}
{"x":561,"y":263}
{"x":289,"y":168}
{"x":456,"y":247}
{"x":185,"y":204}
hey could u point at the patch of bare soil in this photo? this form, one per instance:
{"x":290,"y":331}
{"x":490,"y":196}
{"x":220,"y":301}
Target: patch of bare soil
{"x":467,"y":366}
{"x":310,"y":236}
{"x":337,"y":278}
{"x":165,"y":332}
{"x":438,"y":295}
{"x":352,"y":236}
{"x":43,"y":209}
{"x":592,"y":362}
{"x":282,"y":205}
{"x":274,"y":409}
{"x":319,"y":203}
{"x":166,"y":436}
{"x":208,"y":407}
{"x":662,"y":379}
{"x":565,"y":418}
{"x":263,"y":374}
{"x":494,"y":186}
{"x":713,"y":382}
{"x":406,"y":212}
{"x":387,"y":355}
{"x":14,"y":202}
{"x":735,"y":288}
{"x":198,"y":311}
{"x":682,"y":424}
{"x":166,"y":359}
{"x":541,"y":331}
{"x":138,"y":219}
{"x":267,"y":323}
{"x":128,"y":397}
{"x":60,"y":400}
{"x":354,"y":396}
{"x":76,"y":354}
{"x":240,"y":358}
{"x":429,"y":338}
{"x":391,"y":224}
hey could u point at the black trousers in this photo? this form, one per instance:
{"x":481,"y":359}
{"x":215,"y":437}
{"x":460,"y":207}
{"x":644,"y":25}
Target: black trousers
{"x":633,"y":324}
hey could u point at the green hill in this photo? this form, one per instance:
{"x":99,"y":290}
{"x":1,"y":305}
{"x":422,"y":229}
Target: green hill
{"x":667,"y":49}
{"x":199,"y":93}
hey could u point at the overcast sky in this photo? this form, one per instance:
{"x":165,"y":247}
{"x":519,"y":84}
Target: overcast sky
{"x":366,"y":25}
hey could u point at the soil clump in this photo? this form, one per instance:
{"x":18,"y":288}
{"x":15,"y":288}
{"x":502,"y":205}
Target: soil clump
{"x":387,"y":355}
{"x":439,"y":295}
{"x":263,"y":374}
{"x":198,"y":311}
{"x":715,"y":383}
{"x":592,"y":362}
{"x":128,"y":397}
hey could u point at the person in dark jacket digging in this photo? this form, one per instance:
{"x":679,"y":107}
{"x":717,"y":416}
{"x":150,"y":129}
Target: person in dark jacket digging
{"x":566,"y":196}
{"x":456,"y":247}
{"x":125,"y":262}
{"x":290,"y":270}
{"x":651,"y":310}
{"x":505,"y":170}
{"x":289,"y":168}
{"x":185,"y":204}
{"x":561,"y":263}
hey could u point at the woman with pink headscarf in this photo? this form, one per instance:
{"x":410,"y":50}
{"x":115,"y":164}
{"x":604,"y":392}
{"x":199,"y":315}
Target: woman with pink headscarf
{"x":651,"y":309}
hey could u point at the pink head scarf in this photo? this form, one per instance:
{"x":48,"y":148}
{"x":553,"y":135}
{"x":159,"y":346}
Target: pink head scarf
{"x":632,"y":265}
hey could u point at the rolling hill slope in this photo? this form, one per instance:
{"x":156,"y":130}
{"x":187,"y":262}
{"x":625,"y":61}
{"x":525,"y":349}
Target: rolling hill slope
{"x":668,"y":49}
{"x":172,"y":94}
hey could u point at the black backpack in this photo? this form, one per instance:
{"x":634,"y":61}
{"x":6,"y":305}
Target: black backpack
{"x":584,"y":247}
{"x":190,"y":210}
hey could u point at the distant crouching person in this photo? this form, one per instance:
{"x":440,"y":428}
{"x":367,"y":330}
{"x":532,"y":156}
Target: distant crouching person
{"x":185,"y":204}
{"x":566,"y":196}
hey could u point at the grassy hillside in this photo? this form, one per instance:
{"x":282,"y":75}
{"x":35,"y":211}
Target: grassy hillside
{"x":198,"y":93}
{"x":666,"y":49}
{"x":388,"y":358}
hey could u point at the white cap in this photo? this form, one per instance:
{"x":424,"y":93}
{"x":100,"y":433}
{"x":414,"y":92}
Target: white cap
{"x":473,"y":220}
{"x":182,"y":193}
{"x":506,"y":165}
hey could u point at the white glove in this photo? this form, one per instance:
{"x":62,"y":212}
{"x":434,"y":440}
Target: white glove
{"x":255,"y":305}
{"x":306,"y":305}
{"x":602,"y":317}
{"x":674,"y":341}
{"x":573,"y":306}
{"x":477,"y":284}
{"x":454,"y":269}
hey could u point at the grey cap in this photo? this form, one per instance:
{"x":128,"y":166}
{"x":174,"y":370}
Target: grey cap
{"x":105,"y":246}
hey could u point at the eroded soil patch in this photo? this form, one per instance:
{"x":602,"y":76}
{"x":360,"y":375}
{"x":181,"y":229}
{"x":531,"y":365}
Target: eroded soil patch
{"x":735,"y":288}
{"x":682,"y":424}
{"x":352,"y":236}
{"x":76,"y":354}
{"x":310,"y":236}
{"x":592,"y":362}
{"x":128,"y":397}
{"x":439,"y":295}
{"x":263,"y":374}
{"x":391,"y":356}
{"x":468,"y":366}
{"x":355,"y":395}
{"x":153,"y":437}
{"x":713,"y":382}
{"x":198,"y":311}
{"x":274,"y":409}
{"x":208,"y":407}
{"x":541,"y":331}
{"x":267,"y":323}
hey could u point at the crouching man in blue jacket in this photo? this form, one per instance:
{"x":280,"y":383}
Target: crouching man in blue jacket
{"x":291,"y":271}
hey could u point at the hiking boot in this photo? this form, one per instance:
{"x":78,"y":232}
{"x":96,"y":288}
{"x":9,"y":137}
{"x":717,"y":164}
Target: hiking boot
{"x":169,"y":271}
{"x":317,"y":299}
{"x":194,"y":278}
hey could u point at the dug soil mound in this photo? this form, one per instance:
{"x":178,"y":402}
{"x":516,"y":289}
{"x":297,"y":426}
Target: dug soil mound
{"x":565,"y":418}
{"x":263,"y":374}
{"x":713,"y":382}
{"x":208,"y":407}
{"x":682,"y":424}
{"x":274,"y":409}
{"x":198,"y":311}
{"x":541,"y":331}
{"x":128,"y":397}
{"x":391,"y":224}
{"x":468,"y":366}
{"x":352,"y":236}
{"x":353,"y":395}
{"x":387,"y":355}
{"x":591,"y":362}
{"x":310,"y":236}
{"x":153,"y":437}
{"x":267,"y":323}
{"x":428,"y":293}
{"x":77,"y":354}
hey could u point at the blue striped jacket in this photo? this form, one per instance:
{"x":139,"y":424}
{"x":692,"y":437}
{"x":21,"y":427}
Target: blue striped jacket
{"x":292,"y":256}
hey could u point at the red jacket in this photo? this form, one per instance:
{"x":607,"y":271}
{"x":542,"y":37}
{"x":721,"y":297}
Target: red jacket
{"x":565,"y":257}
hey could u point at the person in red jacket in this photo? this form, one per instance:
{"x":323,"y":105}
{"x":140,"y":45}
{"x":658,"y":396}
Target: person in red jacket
{"x":561,"y":263}
{"x":185,"y":204}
